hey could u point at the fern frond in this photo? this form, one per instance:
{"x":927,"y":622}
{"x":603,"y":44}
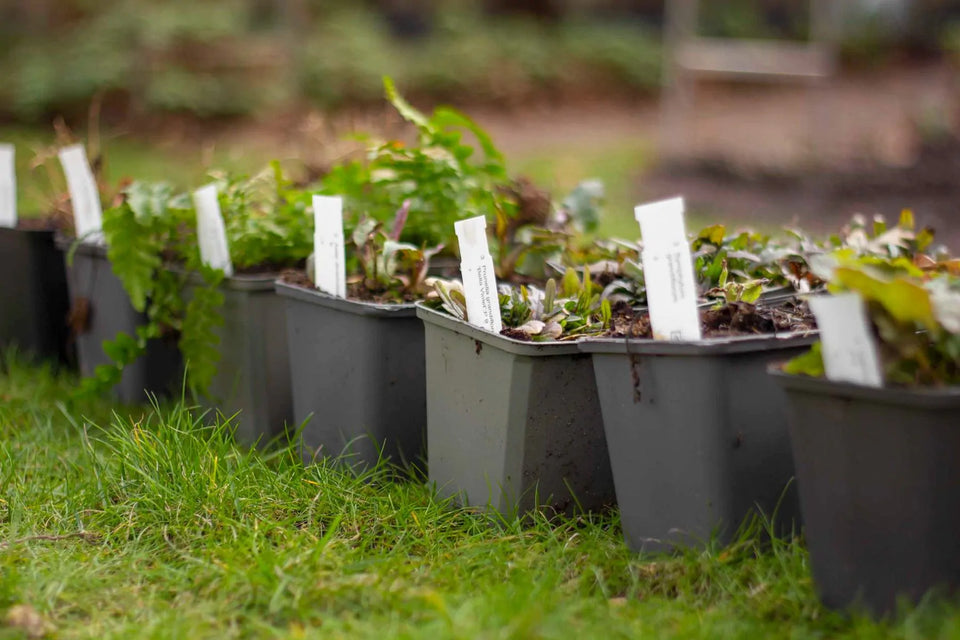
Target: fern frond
{"x":199,"y":341}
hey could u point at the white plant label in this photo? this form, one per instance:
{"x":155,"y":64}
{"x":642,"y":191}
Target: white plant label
{"x":211,"y":233}
{"x":668,"y":271}
{"x":329,"y":264}
{"x":479,"y":279}
{"x":84,"y":194}
{"x":849,"y":350}
{"x":8,"y":187}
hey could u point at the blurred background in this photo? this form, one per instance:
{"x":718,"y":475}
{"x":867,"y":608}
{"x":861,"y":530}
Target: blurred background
{"x":861,"y":115}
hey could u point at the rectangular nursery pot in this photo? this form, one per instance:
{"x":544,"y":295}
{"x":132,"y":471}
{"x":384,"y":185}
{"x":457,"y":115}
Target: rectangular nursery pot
{"x":697,"y":434}
{"x":879,"y":488}
{"x":100,"y":309}
{"x":253,"y":375}
{"x":33,"y":295}
{"x":357,"y":376}
{"x":512,"y":425}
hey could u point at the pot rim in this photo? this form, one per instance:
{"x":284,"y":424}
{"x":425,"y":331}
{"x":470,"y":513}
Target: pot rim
{"x":918,"y":397}
{"x":509,"y":345}
{"x":707,"y":346}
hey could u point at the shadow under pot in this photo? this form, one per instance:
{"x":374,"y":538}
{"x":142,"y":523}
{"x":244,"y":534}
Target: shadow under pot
{"x":879,"y":488}
{"x":100,"y":309}
{"x":358,"y":378}
{"x":697,"y":434}
{"x":511,"y":425}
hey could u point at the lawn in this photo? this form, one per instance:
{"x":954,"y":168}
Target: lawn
{"x":119,"y":522}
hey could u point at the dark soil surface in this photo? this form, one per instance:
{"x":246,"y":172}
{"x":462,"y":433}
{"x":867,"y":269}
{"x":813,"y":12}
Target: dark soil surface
{"x":732,"y":319}
{"x":355,"y":290}
{"x":516,"y":334}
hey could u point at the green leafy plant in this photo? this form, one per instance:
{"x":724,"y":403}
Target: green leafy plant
{"x":267,"y":218}
{"x":733,"y":268}
{"x":153,"y":250}
{"x":915,"y":315}
{"x":144,"y":234}
{"x":440,"y":175}
{"x":389,"y":270}
{"x":569,"y":310}
{"x":721,"y":259}
{"x":728,"y":290}
{"x":873,"y":240}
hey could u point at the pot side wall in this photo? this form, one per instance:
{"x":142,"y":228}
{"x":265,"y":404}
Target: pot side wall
{"x":253,"y":375}
{"x":33,"y":295}
{"x":880,"y":487}
{"x":158,"y":371}
{"x":358,"y":379}
{"x":697,"y":443}
{"x":510,"y":431}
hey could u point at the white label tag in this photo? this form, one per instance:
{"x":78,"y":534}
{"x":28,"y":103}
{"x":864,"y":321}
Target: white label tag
{"x":849,"y":350}
{"x":8,"y":187}
{"x":668,"y":271}
{"x":479,"y":278}
{"x":84,"y":194}
{"x":211,"y":233}
{"x":329,"y":264}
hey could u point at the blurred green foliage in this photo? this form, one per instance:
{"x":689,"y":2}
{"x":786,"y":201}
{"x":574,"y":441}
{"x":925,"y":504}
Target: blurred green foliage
{"x":233,"y":57}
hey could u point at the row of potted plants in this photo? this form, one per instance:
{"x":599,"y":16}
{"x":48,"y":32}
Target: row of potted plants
{"x":572,"y":404}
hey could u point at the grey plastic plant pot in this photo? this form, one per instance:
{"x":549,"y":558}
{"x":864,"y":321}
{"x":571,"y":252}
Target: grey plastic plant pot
{"x":93,"y":285}
{"x":33,"y":295}
{"x":358,"y":376}
{"x":879,"y":488}
{"x":512,"y":425}
{"x":253,"y":375}
{"x":697,"y":434}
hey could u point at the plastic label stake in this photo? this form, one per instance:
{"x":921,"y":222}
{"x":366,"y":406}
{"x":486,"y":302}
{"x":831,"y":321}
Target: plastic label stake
{"x":84,"y":194}
{"x":847,"y":344}
{"x":329,"y":264}
{"x":668,"y":271}
{"x":479,"y":279}
{"x":211,"y":232}
{"x":8,"y":187}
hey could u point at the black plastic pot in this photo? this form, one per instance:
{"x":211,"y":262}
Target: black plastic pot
{"x":697,"y":434}
{"x":101,"y":309}
{"x":512,"y":425}
{"x":33,"y":295}
{"x":253,"y":375}
{"x":879,"y":487}
{"x":357,"y":376}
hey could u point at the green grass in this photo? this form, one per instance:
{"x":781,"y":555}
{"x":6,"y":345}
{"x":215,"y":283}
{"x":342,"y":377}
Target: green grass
{"x":187,"y":535}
